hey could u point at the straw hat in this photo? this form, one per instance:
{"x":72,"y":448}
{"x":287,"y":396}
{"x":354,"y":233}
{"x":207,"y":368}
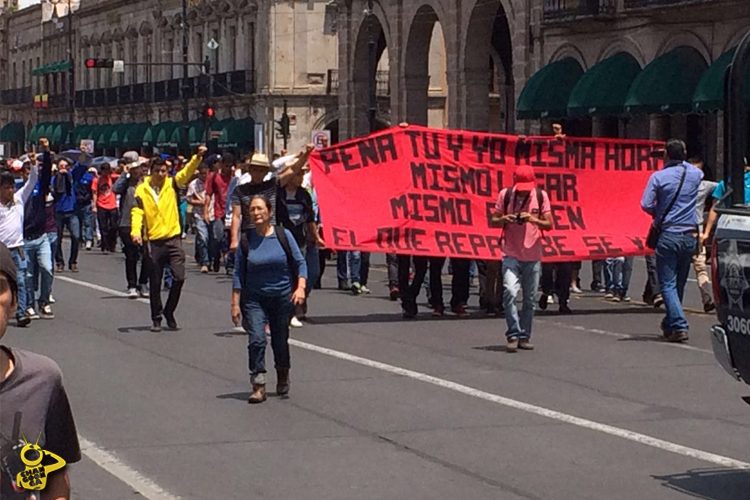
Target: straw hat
{"x":260,"y":160}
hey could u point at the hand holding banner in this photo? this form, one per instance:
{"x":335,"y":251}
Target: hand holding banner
{"x":420,"y":191}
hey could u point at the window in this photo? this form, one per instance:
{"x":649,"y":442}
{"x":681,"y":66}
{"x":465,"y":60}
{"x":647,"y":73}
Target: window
{"x":148,"y":55}
{"x":198,"y":47}
{"x":23,"y":74}
{"x":232,"y":45}
{"x":134,"y":58}
{"x":215,"y":53}
{"x":251,"y":46}
{"x":121,"y":55}
{"x":168,"y":56}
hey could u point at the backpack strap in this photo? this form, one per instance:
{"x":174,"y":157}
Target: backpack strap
{"x":244,"y":252}
{"x":284,"y":242}
{"x":506,"y":200}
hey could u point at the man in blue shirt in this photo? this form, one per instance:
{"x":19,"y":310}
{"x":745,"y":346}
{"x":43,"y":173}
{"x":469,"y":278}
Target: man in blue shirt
{"x":679,"y":232}
{"x":718,"y":194}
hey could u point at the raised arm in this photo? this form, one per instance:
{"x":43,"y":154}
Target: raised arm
{"x":26,"y":191}
{"x":182,"y":178}
{"x":296,"y":165}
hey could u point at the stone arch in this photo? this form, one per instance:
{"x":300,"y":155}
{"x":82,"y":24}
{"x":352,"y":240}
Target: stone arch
{"x":118,"y":34}
{"x":685,"y":39}
{"x":361,"y":75}
{"x":131,"y":32}
{"x":488,"y":28}
{"x":145,"y":28}
{"x":416,"y":62}
{"x":569,"y":50}
{"x":626,"y":45}
{"x":734,"y":40}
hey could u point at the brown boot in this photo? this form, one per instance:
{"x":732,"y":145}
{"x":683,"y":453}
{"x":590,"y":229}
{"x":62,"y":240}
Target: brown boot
{"x":282,"y":381}
{"x":258,"y":395}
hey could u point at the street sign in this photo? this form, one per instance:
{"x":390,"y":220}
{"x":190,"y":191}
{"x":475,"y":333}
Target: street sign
{"x":118,"y":66}
{"x":87,"y":146}
{"x":215,"y":135}
{"x":321,"y":138}
{"x":212,"y":44}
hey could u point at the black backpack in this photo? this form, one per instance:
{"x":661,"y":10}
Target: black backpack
{"x":283,"y":241}
{"x":509,"y":194}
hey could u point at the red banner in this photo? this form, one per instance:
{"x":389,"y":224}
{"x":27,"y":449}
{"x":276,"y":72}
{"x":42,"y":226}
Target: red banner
{"x":421,"y":191}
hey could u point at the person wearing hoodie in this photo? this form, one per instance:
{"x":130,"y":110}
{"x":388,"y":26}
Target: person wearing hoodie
{"x":36,"y":244}
{"x":66,"y":200}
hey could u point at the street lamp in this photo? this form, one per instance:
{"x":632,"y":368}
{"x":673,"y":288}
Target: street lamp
{"x":56,"y":10}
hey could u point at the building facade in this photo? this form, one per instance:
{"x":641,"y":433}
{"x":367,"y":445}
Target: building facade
{"x":267,"y":53}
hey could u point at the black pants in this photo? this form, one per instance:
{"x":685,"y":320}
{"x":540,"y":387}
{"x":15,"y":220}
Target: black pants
{"x":392,"y":261}
{"x":108,"y":221}
{"x":410,"y":291}
{"x":133,"y":253}
{"x":436,"y":282}
{"x":556,"y":278}
{"x":460,"y":282}
{"x":162,"y":253}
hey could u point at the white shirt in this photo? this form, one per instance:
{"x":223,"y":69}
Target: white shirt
{"x":11,"y":216}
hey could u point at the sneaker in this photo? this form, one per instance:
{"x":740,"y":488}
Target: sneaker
{"x":51,"y":299}
{"x":609,"y":296}
{"x":709,"y":306}
{"x":204,"y":269}
{"x":525,"y":345}
{"x":575,"y":289}
{"x":543,"y":302}
{"x":356,"y":289}
{"x":295,"y":322}
{"x":132,"y":293}
{"x":676,"y":337}
{"x":88,"y":245}
{"x":512,"y":345}
{"x":438,"y":312}
{"x":156,"y":327}
{"x":46,"y":312}
{"x":31,"y":313}
{"x":460,"y":311}
{"x":409,"y":314}
{"x":658,"y":301}
{"x":615,"y":298}
{"x":394,"y":293}
{"x":23,"y":321}
{"x":564,"y":309}
{"x":74,"y":268}
{"x":60,"y":268}
{"x":550,"y":299}
{"x":626,"y":298}
{"x":143,"y":292}
{"x":364,"y":290}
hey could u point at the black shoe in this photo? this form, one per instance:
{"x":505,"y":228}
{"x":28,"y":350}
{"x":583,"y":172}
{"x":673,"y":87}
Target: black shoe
{"x":543,"y":302}
{"x":171,"y":322}
{"x":394,"y":293}
{"x":564,"y":309}
{"x":23,"y":321}
{"x":409,"y":315}
{"x":156,"y":327}
{"x":709,"y":307}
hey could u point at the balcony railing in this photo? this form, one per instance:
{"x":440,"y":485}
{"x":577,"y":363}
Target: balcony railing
{"x":237,"y":82}
{"x":16,"y":96}
{"x":640,"y":4}
{"x":565,"y":9}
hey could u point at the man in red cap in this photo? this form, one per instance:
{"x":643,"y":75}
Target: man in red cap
{"x":524,"y":212}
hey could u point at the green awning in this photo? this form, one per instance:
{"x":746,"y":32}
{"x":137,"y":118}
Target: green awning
{"x":709,"y":95}
{"x":44,"y":129}
{"x":603,"y":88}
{"x":34,"y":134}
{"x":149,"y":137}
{"x":58,"y":133}
{"x":238,"y":134}
{"x":83,"y":132}
{"x":117,"y":135}
{"x":197,"y":133}
{"x":167,"y":137}
{"x":105,"y":132}
{"x":135,"y":135}
{"x":547,"y":92}
{"x":667,"y":84}
{"x":13,"y":132}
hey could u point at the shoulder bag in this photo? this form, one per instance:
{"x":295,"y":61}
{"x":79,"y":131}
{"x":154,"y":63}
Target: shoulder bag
{"x":652,"y":239}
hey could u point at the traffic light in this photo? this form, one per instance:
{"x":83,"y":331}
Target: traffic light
{"x":208,"y":112}
{"x":92,"y":63}
{"x":283,"y":126}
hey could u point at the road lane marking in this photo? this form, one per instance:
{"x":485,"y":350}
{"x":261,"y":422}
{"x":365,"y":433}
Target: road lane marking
{"x":626,"y":434}
{"x":140,"y":484}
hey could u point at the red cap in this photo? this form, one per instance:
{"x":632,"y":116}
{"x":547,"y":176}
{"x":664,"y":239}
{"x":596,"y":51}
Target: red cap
{"x":524,"y":178}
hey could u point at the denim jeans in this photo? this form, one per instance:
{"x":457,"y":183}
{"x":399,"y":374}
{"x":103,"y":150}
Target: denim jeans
{"x":201,"y":241}
{"x":674,"y":256}
{"x":353,"y":267}
{"x":85,"y":223}
{"x":71,"y":222}
{"x":21,"y":264}
{"x":257,"y":311}
{"x":39,"y":257}
{"x":519,"y":275}
{"x":218,"y":244}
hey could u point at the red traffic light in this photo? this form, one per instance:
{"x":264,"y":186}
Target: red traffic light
{"x":209,"y":112}
{"x":91,"y":63}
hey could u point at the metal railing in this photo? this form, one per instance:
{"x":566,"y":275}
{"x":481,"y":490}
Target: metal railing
{"x":640,"y":4}
{"x":16,"y":96}
{"x":382,"y":82}
{"x":562,"y":9}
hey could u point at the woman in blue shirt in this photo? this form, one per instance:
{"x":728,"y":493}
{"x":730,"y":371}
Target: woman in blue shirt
{"x":270,"y":275}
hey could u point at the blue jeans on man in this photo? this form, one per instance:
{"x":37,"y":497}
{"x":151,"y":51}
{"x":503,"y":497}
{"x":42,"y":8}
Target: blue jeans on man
{"x":86,"y":222}
{"x":352,"y":268}
{"x":257,"y":311}
{"x":71,"y":222}
{"x":674,"y":256}
{"x":39,"y":257}
{"x":21,"y":262}
{"x":201,"y":242}
{"x":518,"y":276}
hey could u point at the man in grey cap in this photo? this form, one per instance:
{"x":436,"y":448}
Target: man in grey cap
{"x":33,"y":401}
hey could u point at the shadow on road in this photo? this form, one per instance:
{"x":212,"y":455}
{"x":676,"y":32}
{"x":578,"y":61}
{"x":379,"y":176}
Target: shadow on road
{"x":608,"y":311}
{"x":710,"y":484}
{"x":491,"y":348}
{"x":134,"y":329}
{"x":230,"y":334}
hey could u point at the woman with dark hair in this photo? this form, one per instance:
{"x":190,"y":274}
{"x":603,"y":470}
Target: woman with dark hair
{"x":270,"y":275}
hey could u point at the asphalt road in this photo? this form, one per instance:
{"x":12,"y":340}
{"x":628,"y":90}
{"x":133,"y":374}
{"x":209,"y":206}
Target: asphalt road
{"x":385,"y":409}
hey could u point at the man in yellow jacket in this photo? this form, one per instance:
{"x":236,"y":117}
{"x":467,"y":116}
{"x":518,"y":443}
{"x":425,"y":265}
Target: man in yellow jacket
{"x":156,"y":219}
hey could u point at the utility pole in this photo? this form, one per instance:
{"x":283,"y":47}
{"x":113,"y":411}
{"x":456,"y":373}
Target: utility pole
{"x":285,"y":120}
{"x":372,"y":109}
{"x":185,"y":146}
{"x":71,"y":77}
